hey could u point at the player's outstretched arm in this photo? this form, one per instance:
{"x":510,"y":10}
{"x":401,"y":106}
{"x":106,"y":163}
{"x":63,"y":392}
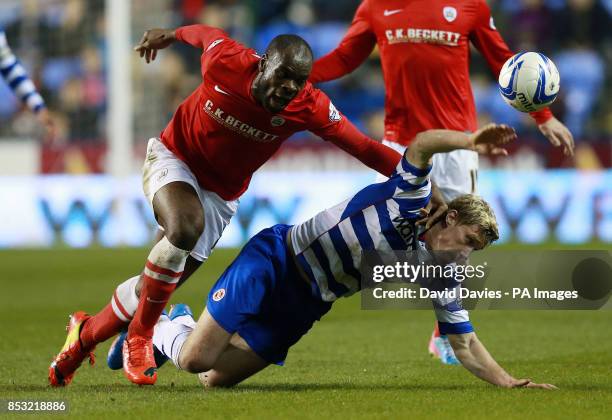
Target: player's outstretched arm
{"x":490,"y":139}
{"x":17,"y":79}
{"x":474,"y":357}
{"x":199,"y":36}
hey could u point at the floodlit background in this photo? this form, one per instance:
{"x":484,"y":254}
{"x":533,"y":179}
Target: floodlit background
{"x":82,"y":187}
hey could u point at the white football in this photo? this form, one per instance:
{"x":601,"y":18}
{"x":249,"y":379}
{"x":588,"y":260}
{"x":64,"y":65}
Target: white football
{"x":529,"y":81}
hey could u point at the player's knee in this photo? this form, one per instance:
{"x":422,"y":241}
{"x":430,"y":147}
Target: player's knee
{"x":193,"y":363}
{"x":185,"y":231}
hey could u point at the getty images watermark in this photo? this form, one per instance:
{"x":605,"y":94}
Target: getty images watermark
{"x":491,"y":279}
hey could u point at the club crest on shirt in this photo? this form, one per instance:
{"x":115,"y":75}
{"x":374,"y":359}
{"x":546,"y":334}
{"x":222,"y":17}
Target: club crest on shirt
{"x":449,"y":13}
{"x":218,"y":295}
{"x":334,"y":114}
{"x":277,"y":121}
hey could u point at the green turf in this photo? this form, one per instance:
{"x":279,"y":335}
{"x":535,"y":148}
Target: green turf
{"x":354,"y":364}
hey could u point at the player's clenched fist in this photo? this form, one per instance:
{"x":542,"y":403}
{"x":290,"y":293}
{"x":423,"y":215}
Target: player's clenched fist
{"x":153,"y":40}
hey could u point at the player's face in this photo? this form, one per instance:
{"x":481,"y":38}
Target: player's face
{"x":281,"y":80}
{"x":457,"y":240}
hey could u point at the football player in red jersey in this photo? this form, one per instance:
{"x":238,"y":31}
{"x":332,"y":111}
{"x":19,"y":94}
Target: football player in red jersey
{"x":424,"y":52}
{"x":238,"y":117}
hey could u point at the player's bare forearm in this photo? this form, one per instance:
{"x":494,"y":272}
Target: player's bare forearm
{"x":489,"y":139}
{"x":474,"y":357}
{"x":430,"y":142}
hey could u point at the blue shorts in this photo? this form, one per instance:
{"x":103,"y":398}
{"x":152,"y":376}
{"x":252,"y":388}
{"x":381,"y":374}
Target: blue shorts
{"x":263,"y":298}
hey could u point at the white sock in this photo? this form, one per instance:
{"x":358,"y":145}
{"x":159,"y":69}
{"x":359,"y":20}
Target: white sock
{"x":124,"y":300}
{"x":169,"y":337}
{"x":186,"y":320}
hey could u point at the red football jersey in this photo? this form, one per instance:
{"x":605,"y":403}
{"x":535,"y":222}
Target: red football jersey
{"x":424,"y":51}
{"x":224,"y":135}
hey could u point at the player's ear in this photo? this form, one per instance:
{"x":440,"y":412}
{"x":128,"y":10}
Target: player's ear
{"x":262,"y":63}
{"x":451,"y":217}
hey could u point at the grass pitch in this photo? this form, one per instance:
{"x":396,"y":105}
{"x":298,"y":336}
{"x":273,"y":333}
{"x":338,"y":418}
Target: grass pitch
{"x":353,"y":364}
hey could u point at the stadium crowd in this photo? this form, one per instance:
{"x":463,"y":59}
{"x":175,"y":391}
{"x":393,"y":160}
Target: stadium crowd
{"x":62,"y":44}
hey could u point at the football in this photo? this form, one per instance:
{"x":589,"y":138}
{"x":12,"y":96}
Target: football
{"x":529,"y":81}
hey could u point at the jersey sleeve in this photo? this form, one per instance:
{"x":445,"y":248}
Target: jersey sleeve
{"x":329,"y":124}
{"x":17,"y":78}
{"x":452,"y":317}
{"x":353,"y":50}
{"x":201,"y":36}
{"x":213,"y":42}
{"x":492,"y":46}
{"x":412,"y":188}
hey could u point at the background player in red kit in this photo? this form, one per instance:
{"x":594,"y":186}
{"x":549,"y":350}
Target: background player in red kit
{"x":424,"y":52}
{"x":245,"y":107}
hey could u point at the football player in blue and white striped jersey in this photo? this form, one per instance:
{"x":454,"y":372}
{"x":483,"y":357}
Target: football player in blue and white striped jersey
{"x":287,"y":277}
{"x":22,"y":86}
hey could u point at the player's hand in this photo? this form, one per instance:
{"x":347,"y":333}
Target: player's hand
{"x":44,"y":118}
{"x":490,"y":139}
{"x":437,"y":205}
{"x":541,"y":386}
{"x":558,"y":135}
{"x":527,"y":383}
{"x":153,"y":40}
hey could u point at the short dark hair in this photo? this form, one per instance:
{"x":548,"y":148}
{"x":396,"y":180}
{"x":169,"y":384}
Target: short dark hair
{"x":289,"y":42}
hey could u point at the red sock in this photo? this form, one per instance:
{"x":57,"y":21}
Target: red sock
{"x":153,"y":299}
{"x":436,"y":330}
{"x":101,"y":327}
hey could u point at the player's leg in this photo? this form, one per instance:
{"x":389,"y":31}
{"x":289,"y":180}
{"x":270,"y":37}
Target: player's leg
{"x":237,"y":363}
{"x":219,"y":357}
{"x":178,"y":210}
{"x":106,"y":323}
{"x":194,"y":226}
{"x":161,"y":169}
{"x":255,"y":298}
{"x":201,"y":348}
{"x":180,"y":313}
{"x":165,"y":265}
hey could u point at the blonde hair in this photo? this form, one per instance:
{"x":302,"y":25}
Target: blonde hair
{"x":474,"y":210}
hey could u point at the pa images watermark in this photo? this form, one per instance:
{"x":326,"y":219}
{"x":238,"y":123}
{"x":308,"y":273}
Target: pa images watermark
{"x":491,"y":279}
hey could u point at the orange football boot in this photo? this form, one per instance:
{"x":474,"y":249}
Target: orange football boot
{"x":139,"y":360}
{"x":72,"y":354}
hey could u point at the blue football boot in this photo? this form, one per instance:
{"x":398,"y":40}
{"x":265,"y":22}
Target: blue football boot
{"x":179,"y":310}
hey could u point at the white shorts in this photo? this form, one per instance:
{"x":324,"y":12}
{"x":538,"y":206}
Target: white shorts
{"x":455,"y":173}
{"x":162,"y":167}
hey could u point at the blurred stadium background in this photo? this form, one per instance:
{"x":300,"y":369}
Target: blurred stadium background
{"x":82,"y":187}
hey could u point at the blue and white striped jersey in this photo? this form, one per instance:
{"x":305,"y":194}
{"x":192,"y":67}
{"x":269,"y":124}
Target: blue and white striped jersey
{"x":17,"y":78}
{"x":380,"y":217}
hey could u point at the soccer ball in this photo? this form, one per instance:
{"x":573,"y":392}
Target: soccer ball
{"x":529,"y":81}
